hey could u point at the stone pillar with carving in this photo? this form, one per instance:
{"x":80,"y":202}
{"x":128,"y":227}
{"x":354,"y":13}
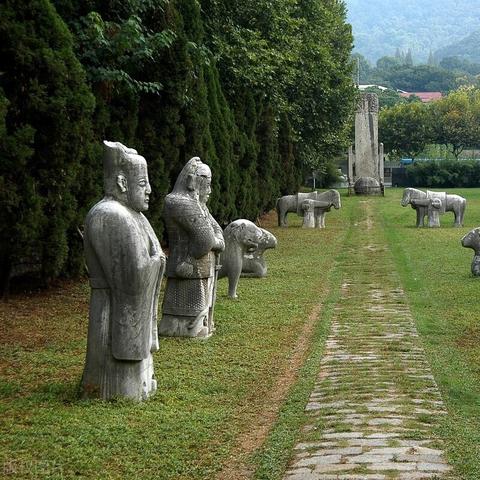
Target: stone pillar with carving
{"x":366,"y":162}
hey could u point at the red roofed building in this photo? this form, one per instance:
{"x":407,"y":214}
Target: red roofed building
{"x":425,"y":97}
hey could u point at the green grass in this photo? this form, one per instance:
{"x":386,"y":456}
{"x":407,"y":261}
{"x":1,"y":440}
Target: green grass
{"x":444,"y":299}
{"x":211,"y":393}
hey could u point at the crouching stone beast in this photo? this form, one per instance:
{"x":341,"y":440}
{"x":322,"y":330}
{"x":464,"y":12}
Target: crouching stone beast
{"x":245,"y":244}
{"x":472,"y":240}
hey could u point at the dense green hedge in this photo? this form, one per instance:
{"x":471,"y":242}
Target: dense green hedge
{"x":444,"y":173}
{"x":248,"y":87}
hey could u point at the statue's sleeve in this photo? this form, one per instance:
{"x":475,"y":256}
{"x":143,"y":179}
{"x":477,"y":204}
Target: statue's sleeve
{"x":218,"y":233}
{"x":203,"y":234}
{"x":132,"y":269}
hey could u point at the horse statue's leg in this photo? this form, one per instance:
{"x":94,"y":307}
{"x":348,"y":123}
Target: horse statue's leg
{"x":282,"y":210}
{"x":319,"y":218}
{"x":420,"y":216}
{"x":459,"y":214}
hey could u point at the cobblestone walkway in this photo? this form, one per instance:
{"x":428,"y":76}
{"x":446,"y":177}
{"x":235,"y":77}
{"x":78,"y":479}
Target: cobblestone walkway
{"x":375,"y":402}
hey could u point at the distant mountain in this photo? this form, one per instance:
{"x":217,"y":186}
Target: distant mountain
{"x":468,"y":48}
{"x":382,"y":26}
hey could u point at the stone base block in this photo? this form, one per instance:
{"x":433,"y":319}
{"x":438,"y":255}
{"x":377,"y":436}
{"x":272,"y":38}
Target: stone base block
{"x":367,"y":186}
{"x":183,"y":326}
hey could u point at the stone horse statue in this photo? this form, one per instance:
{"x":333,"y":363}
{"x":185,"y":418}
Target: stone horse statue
{"x":472,"y":240}
{"x":245,"y":244}
{"x":296,"y":203}
{"x":434,"y":203}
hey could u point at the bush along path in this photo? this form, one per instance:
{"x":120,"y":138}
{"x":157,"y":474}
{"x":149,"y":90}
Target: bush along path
{"x":375,"y":406}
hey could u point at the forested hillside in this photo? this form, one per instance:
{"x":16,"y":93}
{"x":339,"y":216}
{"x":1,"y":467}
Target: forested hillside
{"x":382,"y":26}
{"x":467,"y":48}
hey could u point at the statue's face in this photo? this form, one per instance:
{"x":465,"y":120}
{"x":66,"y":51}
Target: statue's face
{"x":139,"y":189}
{"x":204,"y":187}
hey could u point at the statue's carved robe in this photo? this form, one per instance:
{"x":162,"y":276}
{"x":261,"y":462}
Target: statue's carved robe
{"x":125,"y":264}
{"x":192,"y":233}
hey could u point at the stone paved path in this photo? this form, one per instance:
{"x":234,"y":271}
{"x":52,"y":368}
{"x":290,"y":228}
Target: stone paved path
{"x":375,"y":402}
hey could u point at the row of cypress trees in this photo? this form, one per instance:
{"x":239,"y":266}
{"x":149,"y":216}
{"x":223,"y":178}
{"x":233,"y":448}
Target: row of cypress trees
{"x":247,"y":86}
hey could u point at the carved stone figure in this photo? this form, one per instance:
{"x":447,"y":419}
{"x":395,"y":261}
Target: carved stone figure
{"x":434,"y":204}
{"x":294,"y":203}
{"x":125,"y":264}
{"x":472,"y":240}
{"x":196,"y":241}
{"x":245,"y":244}
{"x":314,"y":213}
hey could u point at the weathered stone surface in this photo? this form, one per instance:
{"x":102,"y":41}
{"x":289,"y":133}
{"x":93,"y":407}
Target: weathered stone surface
{"x":367,"y":186}
{"x":365,"y":165}
{"x":316,"y":211}
{"x":472,"y":240}
{"x":245,"y":245}
{"x":196,"y":241}
{"x":433,"y":204}
{"x":125,"y":264}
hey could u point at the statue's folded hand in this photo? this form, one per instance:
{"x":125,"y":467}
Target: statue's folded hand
{"x":184,"y":270}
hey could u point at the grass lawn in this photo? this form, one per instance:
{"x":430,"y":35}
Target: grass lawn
{"x":445,"y":300}
{"x":211,"y":394}
{"x":216,"y":399}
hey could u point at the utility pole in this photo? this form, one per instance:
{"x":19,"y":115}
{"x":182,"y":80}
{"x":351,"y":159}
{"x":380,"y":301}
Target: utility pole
{"x":358,"y":72}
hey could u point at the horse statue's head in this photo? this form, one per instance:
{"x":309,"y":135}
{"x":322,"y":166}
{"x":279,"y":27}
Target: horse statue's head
{"x":406,"y":197}
{"x":334,"y":198}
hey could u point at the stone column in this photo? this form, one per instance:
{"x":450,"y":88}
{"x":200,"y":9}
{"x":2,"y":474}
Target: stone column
{"x":366,"y":137}
{"x":309,"y":214}
{"x":381,"y":161}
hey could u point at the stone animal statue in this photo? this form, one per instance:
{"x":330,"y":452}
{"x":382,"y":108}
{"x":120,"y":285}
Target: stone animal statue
{"x":314,"y":213}
{"x":245,"y":244}
{"x":293,"y":203}
{"x":432,"y":208}
{"x":472,"y":240}
{"x":418,"y":199}
{"x":125,"y":265}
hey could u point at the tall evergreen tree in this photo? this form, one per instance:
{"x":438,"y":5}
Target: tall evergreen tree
{"x":49,"y":109}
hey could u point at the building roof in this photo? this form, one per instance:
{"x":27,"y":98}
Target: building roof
{"x":423,"y":96}
{"x":380,"y":87}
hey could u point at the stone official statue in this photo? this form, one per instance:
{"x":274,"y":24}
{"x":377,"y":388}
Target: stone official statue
{"x":195,"y":240}
{"x":125,"y":264}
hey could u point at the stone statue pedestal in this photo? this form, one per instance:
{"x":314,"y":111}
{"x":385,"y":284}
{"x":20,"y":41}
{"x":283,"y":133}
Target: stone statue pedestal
{"x":175,"y":326}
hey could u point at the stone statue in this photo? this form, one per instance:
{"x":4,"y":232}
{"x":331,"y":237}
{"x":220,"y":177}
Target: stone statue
{"x":196,"y":241}
{"x":245,"y":244}
{"x":434,"y":204}
{"x":294,"y":203}
{"x":125,"y":264}
{"x":314,"y":213}
{"x":472,"y":240}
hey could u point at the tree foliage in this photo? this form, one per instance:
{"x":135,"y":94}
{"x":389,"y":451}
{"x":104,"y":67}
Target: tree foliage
{"x":453,"y":121}
{"x":405,"y":129}
{"x":251,"y":87}
{"x":456,"y":120}
{"x":44,"y":137}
